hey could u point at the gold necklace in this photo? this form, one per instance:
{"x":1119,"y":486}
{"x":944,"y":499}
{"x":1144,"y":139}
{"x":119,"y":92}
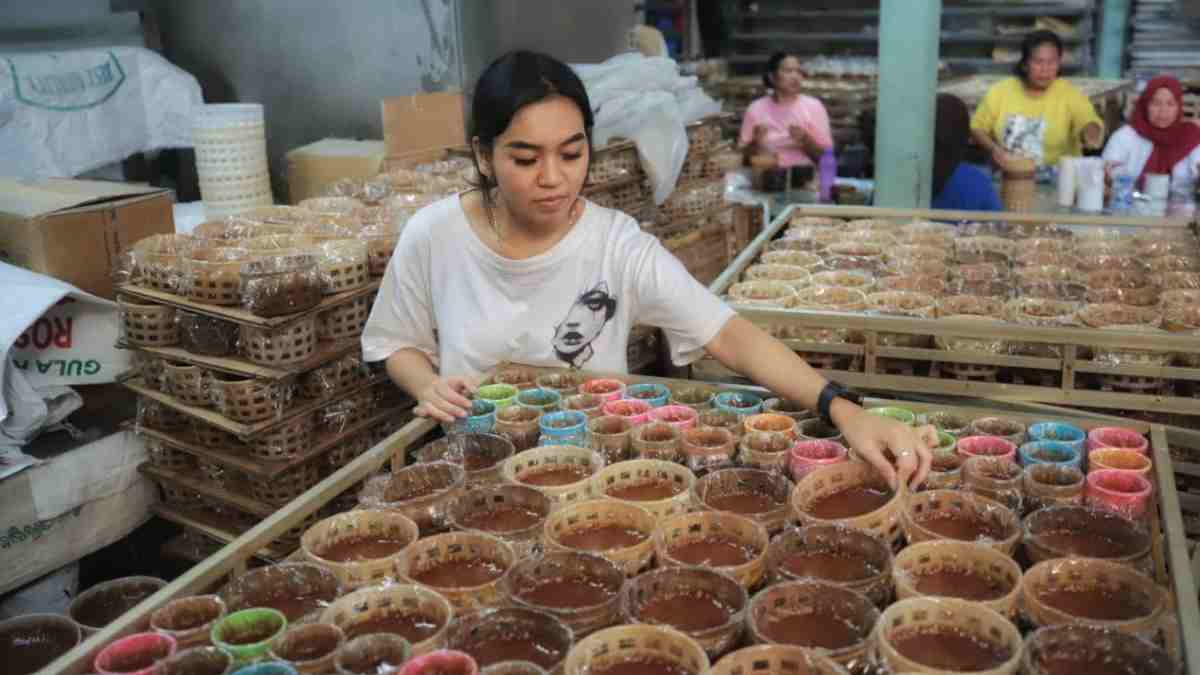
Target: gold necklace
{"x":573,"y":216}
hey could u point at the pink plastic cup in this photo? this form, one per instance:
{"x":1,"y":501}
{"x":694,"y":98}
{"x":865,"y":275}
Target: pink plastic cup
{"x":441,"y":661}
{"x":805,"y":456}
{"x":986,"y":446}
{"x":637,"y":412}
{"x":1122,"y":492}
{"x":608,"y":389}
{"x":138,"y":654}
{"x":1117,"y":437}
{"x":679,"y":416}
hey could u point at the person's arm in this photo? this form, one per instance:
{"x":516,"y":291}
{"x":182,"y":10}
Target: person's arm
{"x":742,"y":347}
{"x":982,"y":123}
{"x":437,"y":397}
{"x":817,"y":136}
{"x":1085,"y":120}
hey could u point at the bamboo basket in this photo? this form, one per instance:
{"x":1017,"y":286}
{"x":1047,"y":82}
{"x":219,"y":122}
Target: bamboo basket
{"x":946,"y":614}
{"x":147,"y":325}
{"x":841,"y":541}
{"x":332,"y":377}
{"x":482,"y":455}
{"x":665,"y":583}
{"x":165,"y":457}
{"x":704,"y":526}
{"x":1110,"y":578}
{"x":358,"y":525}
{"x":187,"y":383}
{"x":213,"y":276}
{"x":383,"y":602}
{"x":308,"y":648}
{"x":601,"y":513}
{"x":346,"y":320}
{"x":549,"y":457}
{"x":96,"y":607}
{"x":440,"y":549}
{"x":248,"y":399}
{"x":772,"y":659}
{"x":611,"y":647}
{"x":487,"y":499}
{"x":286,"y":441}
{"x":935,"y":504}
{"x":1091,"y":645}
{"x":725,"y":482}
{"x":188,"y":620}
{"x":1135,"y":540}
{"x":422,"y":492}
{"x":828,"y":480}
{"x":586,"y":567}
{"x":809,"y":597}
{"x":343,"y":265}
{"x":931,"y":557}
{"x":157,"y":261}
{"x":277,"y":347}
{"x":639,"y":472}
{"x":614,"y":162}
{"x":286,"y":485}
{"x":267,"y":586}
{"x":471,"y":632}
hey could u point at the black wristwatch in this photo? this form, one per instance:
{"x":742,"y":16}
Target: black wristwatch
{"x":831,"y":391}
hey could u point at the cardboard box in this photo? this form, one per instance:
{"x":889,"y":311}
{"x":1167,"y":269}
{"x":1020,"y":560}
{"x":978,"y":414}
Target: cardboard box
{"x":423,"y":122}
{"x":312,"y":167}
{"x":75,"y":230}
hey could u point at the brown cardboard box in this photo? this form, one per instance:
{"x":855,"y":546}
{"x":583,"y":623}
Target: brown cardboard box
{"x":314,"y":166}
{"x":75,"y":230}
{"x":422,"y":122}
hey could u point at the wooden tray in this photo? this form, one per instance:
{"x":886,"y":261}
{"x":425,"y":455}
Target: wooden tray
{"x":326,"y":351}
{"x":211,"y":527}
{"x":239,"y":315}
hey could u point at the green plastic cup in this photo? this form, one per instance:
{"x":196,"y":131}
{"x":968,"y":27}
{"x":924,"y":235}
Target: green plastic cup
{"x":248,"y":634}
{"x":946,"y":442}
{"x":500,"y":395}
{"x":902,"y":415}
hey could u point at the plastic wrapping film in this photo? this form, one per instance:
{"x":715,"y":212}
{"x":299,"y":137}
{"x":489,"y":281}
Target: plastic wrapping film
{"x":187,"y":383}
{"x":229,"y":231}
{"x":1093,"y":592}
{"x":878,"y":225}
{"x":912,"y":633}
{"x":153,"y":415}
{"x":249,"y":400}
{"x":763,"y":293}
{"x":1049,"y":485}
{"x":286,"y":441}
{"x":146,"y":324}
{"x":340,"y":415}
{"x":1039,"y":258}
{"x":338,"y":206}
{"x":282,"y":284}
{"x":824,"y":298}
{"x":971,"y":308}
{"x":209,"y":336}
{"x":794,"y":276}
{"x":334,"y":376}
{"x":927,"y":284}
{"x":157,"y":261}
{"x":614,"y":164}
{"x":343,"y":265}
{"x":1040,"y":312}
{"x":903,"y":303}
{"x":854,"y":255}
{"x":381,"y":243}
{"x":1175,"y":280}
{"x":423,"y":492}
{"x":1174,"y":263}
{"x":327,"y":227}
{"x":1000,"y":480}
{"x":692,"y":200}
{"x":1184,"y":318}
{"x":849,"y":279}
{"x":983,"y":249}
{"x":1109,"y":261}
{"x":926,"y":233}
{"x":212,"y":274}
{"x":1079,"y":649}
{"x":1123,"y":317}
{"x":279,"y":347}
{"x":1051,"y":283}
{"x":1121,"y":286}
{"x":799,"y":220}
{"x":914,"y":255}
{"x":983,"y":278}
{"x":809,"y":261}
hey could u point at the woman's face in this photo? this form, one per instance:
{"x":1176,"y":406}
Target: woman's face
{"x":1163,"y":109}
{"x":541,"y":161}
{"x":1043,"y":65}
{"x":787,"y":78}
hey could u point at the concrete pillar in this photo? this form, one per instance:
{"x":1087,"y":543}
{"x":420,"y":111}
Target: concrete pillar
{"x":908,"y":61}
{"x":1110,"y":48}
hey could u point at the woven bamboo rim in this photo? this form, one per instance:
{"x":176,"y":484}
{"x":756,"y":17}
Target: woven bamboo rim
{"x":931,"y":557}
{"x":246,"y":399}
{"x":641,"y":472}
{"x":516,"y":468}
{"x":808,"y":597}
{"x":945,"y":614}
{"x":332,"y":377}
{"x":804,"y":259}
{"x":1090,"y":644}
{"x":169,"y":458}
{"x":286,"y":441}
{"x":286,"y":485}
{"x":828,"y":480}
{"x":343,"y":265}
{"x":676,"y":581}
{"x":344,"y":321}
{"x":196,"y":613}
{"x":381,"y":602}
{"x":187,"y":383}
{"x":611,"y":647}
{"x":842,"y":541}
{"x":600,"y":513}
{"x":1087,"y":521}
{"x":1110,"y":578}
{"x":771,"y":659}
{"x":358,"y":525}
{"x":590,"y":568}
{"x":422,"y":492}
{"x":756,"y":481}
{"x":720,"y":525}
{"x":289,"y":345}
{"x":761,"y":292}
{"x":764,"y":450}
{"x":213,"y":276}
{"x":933,"y":504}
{"x":996,"y":478}
{"x":112,"y":596}
{"x":1052,"y":485}
{"x":657,"y":441}
{"x":440,"y":549}
{"x":148,"y":325}
{"x":526,"y":541}
{"x":468,"y":632}
{"x":565,"y":382}
{"x":179,"y":496}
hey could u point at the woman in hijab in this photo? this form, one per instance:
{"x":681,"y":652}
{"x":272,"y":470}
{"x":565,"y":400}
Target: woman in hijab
{"x":956,"y":184}
{"x":1157,"y":139}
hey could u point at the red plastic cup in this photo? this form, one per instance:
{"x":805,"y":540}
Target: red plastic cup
{"x":986,"y":446}
{"x":805,"y":456}
{"x":679,"y":416}
{"x":634,"y":410}
{"x":1122,"y":492}
{"x":1117,"y":437}
{"x":608,"y":389}
{"x":143,"y":649}
{"x":441,"y":661}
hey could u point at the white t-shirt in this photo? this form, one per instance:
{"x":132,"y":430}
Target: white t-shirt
{"x":1132,"y":151}
{"x":449,"y":295}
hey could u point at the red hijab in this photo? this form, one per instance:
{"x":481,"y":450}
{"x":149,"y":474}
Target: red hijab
{"x":1172,"y":143}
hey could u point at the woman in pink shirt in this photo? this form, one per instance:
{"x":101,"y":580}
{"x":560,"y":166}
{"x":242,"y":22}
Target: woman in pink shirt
{"x":785,"y":123}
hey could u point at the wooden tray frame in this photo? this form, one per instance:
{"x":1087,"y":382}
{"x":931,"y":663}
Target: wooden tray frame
{"x":327,"y":350}
{"x":868,"y":374}
{"x":1170,"y":551}
{"x":241,"y":316}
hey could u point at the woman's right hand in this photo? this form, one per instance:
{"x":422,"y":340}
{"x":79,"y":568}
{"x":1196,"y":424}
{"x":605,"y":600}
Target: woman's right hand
{"x":1000,"y":157}
{"x":760,"y":134}
{"x":445,"y":398}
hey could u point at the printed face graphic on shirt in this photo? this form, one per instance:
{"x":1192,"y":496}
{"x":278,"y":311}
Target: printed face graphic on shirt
{"x":584,"y":322}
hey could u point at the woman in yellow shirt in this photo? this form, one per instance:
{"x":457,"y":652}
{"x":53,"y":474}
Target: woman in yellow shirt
{"x":1036,"y":114}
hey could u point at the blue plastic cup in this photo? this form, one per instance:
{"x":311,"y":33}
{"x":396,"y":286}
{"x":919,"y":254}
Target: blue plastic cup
{"x":656,"y":395}
{"x":1050,"y":452}
{"x":564,"y":427}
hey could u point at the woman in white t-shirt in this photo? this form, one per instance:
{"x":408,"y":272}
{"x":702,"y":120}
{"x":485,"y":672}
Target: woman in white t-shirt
{"x":525,"y":270}
{"x":1158,"y":139}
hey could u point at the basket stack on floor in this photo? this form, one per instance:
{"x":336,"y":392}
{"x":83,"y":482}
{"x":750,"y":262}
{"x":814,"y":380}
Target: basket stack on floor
{"x":595,"y":525}
{"x":249,"y":366}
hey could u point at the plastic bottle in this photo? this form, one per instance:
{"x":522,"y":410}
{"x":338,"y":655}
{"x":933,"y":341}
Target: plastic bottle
{"x":827,"y":173}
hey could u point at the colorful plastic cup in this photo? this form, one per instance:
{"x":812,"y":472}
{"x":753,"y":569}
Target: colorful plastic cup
{"x":441,"y":661}
{"x":1050,"y":452}
{"x":267,"y":668}
{"x":607,"y":388}
{"x":656,"y":395}
{"x":480,"y":419}
{"x":144,"y":649}
{"x":902,"y":415}
{"x":1122,"y":492}
{"x":542,"y":400}
{"x":262,"y":623}
{"x":946,"y":442}
{"x":1117,"y":437}
{"x":632,"y":409}
{"x":740,"y":403}
{"x":1060,"y":432}
{"x":499,"y":395}
{"x":986,"y":446}
{"x":564,"y":427}
{"x":807,"y":456}
{"x":1120,"y":459}
{"x":681,"y":417}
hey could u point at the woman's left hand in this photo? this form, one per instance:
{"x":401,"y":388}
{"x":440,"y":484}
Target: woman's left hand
{"x":873,"y":436}
{"x":1093,"y":134}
